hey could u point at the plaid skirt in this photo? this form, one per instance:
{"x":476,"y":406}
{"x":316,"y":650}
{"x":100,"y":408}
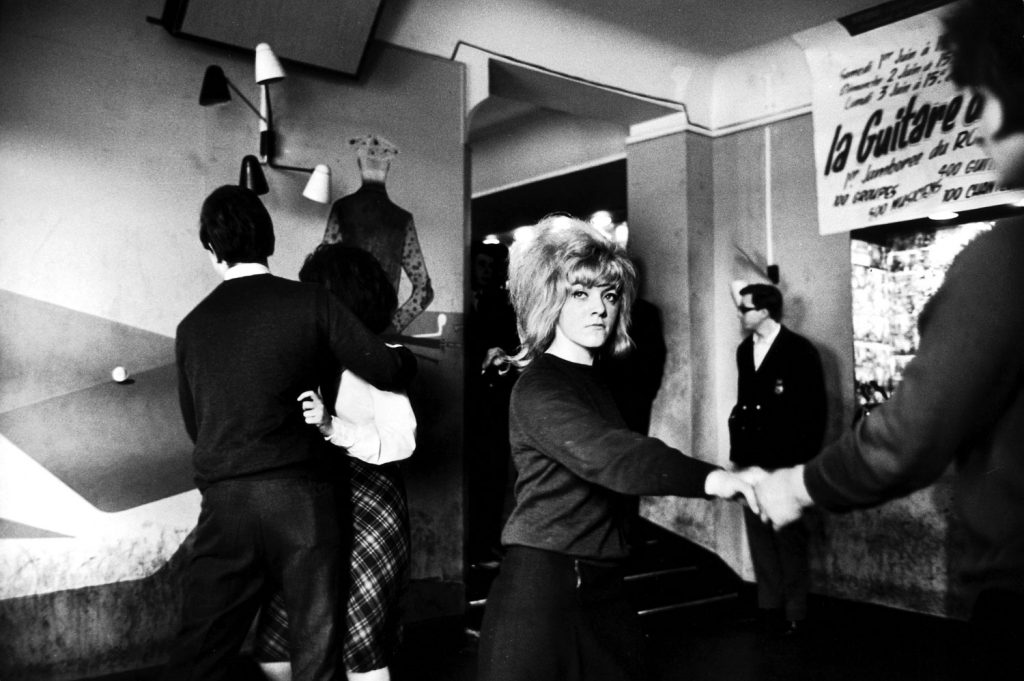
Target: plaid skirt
{"x":378,"y":570}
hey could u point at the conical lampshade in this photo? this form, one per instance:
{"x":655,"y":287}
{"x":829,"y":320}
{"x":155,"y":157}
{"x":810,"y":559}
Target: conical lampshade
{"x":251,"y":176}
{"x":215,"y":87}
{"x":319,"y":186}
{"x":268,"y":68}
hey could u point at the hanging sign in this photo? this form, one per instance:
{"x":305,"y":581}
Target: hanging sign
{"x":894,"y":140}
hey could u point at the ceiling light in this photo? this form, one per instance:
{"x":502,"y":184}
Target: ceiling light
{"x":622,"y":234}
{"x":602,"y":220}
{"x":523,"y":234}
{"x":561,"y":222}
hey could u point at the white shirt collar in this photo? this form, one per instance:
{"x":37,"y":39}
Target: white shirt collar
{"x":246,"y":269}
{"x":769,"y":337}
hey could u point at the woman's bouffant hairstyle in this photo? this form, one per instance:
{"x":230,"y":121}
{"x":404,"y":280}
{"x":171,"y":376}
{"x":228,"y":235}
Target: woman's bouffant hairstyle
{"x":235,"y":226}
{"x":357,"y":278}
{"x":986,"y":39}
{"x":564,"y":251}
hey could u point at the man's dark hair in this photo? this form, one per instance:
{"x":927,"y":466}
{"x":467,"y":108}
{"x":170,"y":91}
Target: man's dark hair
{"x":986,"y":40}
{"x":235,"y":226}
{"x":357,"y":278}
{"x":765,"y":297}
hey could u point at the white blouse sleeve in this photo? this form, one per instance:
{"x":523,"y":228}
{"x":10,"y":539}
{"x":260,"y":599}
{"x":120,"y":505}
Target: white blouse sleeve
{"x":375,"y":426}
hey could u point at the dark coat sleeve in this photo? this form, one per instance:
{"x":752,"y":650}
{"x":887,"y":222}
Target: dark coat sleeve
{"x":185,"y":398}
{"x":356,"y":348}
{"x":966,"y":374}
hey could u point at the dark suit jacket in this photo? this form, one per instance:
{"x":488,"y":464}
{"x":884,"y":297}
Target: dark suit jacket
{"x":245,"y":354}
{"x":779,"y":417}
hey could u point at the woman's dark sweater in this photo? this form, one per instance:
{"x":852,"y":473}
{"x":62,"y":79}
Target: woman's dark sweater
{"x":579,"y":466}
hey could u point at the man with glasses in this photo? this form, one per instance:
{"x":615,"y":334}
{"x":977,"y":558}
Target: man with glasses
{"x":778,"y":421}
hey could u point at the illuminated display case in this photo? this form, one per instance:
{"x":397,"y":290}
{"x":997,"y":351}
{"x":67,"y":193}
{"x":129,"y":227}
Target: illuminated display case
{"x":893,"y":277}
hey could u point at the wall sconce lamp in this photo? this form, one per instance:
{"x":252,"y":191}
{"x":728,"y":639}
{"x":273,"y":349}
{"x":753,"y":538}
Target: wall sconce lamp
{"x":318,"y":188}
{"x":216,"y":89}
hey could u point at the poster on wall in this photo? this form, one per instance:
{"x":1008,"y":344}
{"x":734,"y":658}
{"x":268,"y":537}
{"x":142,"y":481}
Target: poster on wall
{"x":894,"y":139}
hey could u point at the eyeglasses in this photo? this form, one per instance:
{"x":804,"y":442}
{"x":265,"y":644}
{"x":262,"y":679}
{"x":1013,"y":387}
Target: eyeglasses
{"x":744,"y":309}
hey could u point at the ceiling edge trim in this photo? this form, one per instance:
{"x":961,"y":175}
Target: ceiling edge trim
{"x":548,"y":175}
{"x":673,"y":124}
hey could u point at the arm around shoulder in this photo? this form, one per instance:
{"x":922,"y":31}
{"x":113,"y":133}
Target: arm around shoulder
{"x":359,"y":350}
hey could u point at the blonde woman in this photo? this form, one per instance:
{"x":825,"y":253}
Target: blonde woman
{"x":557,"y":609}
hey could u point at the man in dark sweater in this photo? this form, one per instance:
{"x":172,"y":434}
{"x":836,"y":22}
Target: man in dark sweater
{"x":778,"y":420}
{"x":962,"y":397}
{"x":268,"y":518}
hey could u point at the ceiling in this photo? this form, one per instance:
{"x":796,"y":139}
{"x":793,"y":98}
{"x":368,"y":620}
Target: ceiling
{"x":716,"y":28}
{"x":713,"y":29}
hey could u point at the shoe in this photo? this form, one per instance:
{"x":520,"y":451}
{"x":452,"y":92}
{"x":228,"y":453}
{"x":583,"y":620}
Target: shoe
{"x":487,"y":565}
{"x":769,"y":622}
{"x":794,"y":629}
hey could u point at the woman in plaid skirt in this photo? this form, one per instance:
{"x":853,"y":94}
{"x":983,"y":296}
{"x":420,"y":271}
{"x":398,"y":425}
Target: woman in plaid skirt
{"x":377,"y":429}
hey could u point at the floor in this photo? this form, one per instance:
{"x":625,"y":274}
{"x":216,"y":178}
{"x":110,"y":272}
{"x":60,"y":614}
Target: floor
{"x":701,"y":623}
{"x":847,"y":641}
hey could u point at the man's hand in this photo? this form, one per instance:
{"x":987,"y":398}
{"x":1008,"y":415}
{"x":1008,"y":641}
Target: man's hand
{"x":726,"y":485}
{"x":752,"y":474}
{"x":494,"y":357}
{"x":783,"y":496}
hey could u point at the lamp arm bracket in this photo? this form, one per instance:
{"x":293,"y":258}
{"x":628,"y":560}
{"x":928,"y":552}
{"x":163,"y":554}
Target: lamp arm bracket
{"x":245,"y":99}
{"x":278,"y":166}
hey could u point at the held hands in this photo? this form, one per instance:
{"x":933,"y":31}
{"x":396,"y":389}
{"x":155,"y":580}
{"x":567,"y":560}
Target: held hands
{"x":313,"y":411}
{"x":782,"y":496}
{"x":727,"y":485}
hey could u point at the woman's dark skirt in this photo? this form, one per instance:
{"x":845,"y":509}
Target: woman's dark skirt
{"x":550,"y":617}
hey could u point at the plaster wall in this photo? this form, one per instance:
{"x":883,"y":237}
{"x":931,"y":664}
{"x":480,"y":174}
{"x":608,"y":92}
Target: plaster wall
{"x":753,"y":86}
{"x":670,"y":225}
{"x":899,"y":554}
{"x":542,"y":144}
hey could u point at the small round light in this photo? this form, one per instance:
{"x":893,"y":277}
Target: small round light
{"x":561,"y":222}
{"x":602,"y":220}
{"x":622,"y":234}
{"x":523,"y":234}
{"x":119,"y":374}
